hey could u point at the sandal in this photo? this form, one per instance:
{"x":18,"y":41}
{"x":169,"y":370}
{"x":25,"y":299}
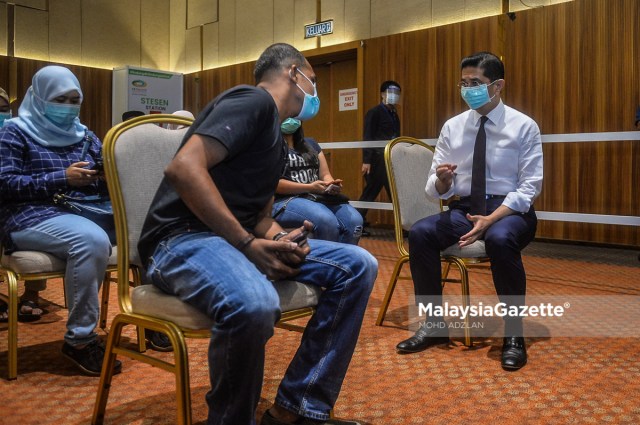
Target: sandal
{"x":29,"y":317}
{"x":4,"y":312}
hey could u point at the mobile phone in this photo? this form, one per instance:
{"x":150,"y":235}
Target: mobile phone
{"x":301,"y":239}
{"x":98,"y":166}
{"x":331,"y":188}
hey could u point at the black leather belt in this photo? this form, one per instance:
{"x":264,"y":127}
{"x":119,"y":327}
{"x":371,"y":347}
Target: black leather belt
{"x":468,"y":198}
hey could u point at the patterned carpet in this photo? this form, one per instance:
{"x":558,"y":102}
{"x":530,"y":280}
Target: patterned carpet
{"x":567,"y":380}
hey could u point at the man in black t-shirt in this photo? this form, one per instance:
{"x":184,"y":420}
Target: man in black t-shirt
{"x":209,"y":239}
{"x":380,"y":123}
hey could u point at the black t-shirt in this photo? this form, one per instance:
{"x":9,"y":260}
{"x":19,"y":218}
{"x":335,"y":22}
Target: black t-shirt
{"x":303,"y":168}
{"x":245,"y":120}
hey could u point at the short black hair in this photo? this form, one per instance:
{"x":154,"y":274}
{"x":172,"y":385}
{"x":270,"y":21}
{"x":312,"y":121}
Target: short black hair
{"x":491,"y":65}
{"x":384,"y":86}
{"x":131,"y":114}
{"x":276,"y":57}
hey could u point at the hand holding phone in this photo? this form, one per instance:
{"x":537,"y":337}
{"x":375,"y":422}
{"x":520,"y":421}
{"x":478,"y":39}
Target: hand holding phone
{"x":301,"y":238}
{"x":98,"y":166}
{"x":332,"y":189}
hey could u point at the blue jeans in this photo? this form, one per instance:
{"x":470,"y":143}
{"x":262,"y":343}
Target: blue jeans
{"x":85,"y":247}
{"x":203,"y":270}
{"x":338,"y":223}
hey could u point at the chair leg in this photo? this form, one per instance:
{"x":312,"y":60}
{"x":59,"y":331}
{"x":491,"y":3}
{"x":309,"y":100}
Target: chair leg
{"x":104,"y":308}
{"x":12,"y":349}
{"x":113,"y":341}
{"x":466,"y":299}
{"x":392,"y":286}
{"x":183,"y":386}
{"x":445,"y":271}
{"x":64,"y":293}
{"x":142,"y":342}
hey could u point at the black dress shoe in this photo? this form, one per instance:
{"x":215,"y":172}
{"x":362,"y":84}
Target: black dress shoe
{"x":428,"y":335}
{"x":514,"y":353}
{"x":158,"y":341}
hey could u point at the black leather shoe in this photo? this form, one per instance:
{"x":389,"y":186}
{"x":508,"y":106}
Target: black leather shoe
{"x":158,"y":341}
{"x":427,"y":336}
{"x":514,"y":353}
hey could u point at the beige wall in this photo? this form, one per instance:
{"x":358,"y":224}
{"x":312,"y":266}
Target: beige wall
{"x":190,"y":35}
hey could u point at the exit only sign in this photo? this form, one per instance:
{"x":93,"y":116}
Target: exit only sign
{"x":318,"y":29}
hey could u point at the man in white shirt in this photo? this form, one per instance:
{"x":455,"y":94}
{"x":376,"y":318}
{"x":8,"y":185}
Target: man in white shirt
{"x":496,"y":205}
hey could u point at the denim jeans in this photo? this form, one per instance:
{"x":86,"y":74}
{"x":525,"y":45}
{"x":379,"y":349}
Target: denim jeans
{"x":203,"y":270}
{"x":338,"y":223}
{"x":85,"y":247}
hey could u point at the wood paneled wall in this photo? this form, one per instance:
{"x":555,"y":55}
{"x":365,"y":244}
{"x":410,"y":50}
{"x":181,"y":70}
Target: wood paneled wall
{"x":16,"y":75}
{"x":572,"y":67}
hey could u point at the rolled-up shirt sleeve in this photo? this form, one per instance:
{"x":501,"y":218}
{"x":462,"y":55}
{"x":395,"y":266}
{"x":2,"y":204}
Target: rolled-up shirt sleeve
{"x":530,"y":174}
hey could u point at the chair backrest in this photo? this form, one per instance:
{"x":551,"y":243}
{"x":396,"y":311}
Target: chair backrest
{"x":408,"y":161}
{"x":136,"y":153}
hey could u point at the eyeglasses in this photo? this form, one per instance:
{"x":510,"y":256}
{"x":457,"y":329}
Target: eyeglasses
{"x":473,"y":83}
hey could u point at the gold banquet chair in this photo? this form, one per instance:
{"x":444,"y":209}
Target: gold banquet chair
{"x":135,"y":155}
{"x":408,"y":161}
{"x":36,"y":265}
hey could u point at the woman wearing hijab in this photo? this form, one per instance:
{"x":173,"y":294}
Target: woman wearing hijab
{"x":44,"y":151}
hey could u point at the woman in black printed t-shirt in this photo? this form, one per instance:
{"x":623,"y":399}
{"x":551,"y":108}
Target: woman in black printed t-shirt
{"x":307,"y":175}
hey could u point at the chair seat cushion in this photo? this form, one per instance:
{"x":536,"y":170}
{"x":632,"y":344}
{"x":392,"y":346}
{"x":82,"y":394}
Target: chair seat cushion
{"x":475,"y":250}
{"x":151,"y":301}
{"x":28,"y":262}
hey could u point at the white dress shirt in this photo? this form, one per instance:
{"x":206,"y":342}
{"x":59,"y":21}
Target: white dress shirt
{"x":514,"y":156}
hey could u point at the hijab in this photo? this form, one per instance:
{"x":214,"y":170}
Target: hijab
{"x":185,"y":114}
{"x":47,"y":84}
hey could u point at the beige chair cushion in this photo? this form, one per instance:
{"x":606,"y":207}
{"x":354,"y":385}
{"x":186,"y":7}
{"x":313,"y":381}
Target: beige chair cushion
{"x":151,"y":301}
{"x":475,"y":250}
{"x":29,"y":262}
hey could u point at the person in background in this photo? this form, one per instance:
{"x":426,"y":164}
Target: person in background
{"x":126,"y":116}
{"x":307,"y":173}
{"x":380,"y":123}
{"x":44,"y":151}
{"x":210,"y":240}
{"x":185,"y":114}
{"x":5,"y":107}
{"x":490,"y":157}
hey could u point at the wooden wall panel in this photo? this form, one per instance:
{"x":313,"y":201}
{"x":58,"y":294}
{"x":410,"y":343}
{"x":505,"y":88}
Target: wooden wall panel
{"x":572,"y":67}
{"x":566,"y":68}
{"x":95,"y":83}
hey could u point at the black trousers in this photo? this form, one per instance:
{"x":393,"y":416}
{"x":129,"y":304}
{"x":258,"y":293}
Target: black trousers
{"x":375,"y":181}
{"x":504,"y":241}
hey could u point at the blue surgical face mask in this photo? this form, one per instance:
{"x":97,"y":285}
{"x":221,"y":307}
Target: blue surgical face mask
{"x":311,"y":104}
{"x":290,"y":125}
{"x":61,"y":114}
{"x":477,"y":96}
{"x":4,"y":116}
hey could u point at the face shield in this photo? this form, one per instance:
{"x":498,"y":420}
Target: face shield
{"x":392,"y":95}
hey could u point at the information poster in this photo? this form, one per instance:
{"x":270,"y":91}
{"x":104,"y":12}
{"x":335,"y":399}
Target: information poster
{"x":146,"y":90}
